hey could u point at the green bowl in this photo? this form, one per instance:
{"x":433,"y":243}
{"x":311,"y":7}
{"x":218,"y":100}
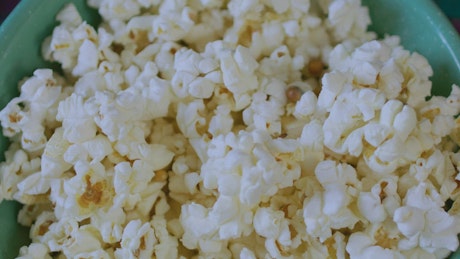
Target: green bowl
{"x":421,"y":25}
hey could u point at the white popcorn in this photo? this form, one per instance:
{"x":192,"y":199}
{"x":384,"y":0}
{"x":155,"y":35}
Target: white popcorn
{"x":211,"y":3}
{"x":117,"y":9}
{"x":67,"y":39}
{"x":33,"y":184}
{"x":379,"y":241}
{"x":167,"y":244}
{"x":333,"y":84}
{"x":68,"y":237}
{"x":194,"y":220}
{"x":131,"y":184}
{"x":61,"y":47}
{"x":238,"y":77}
{"x":98,"y":148}
{"x":267,"y":223}
{"x":376,"y":133}
{"x":87,"y":191}
{"x":78,"y":125}
{"x":348,"y":17}
{"x":94,"y":254}
{"x":87,"y":58}
{"x":239,"y":8}
{"x":14,"y":171}
{"x":189,"y":118}
{"x":173,"y":25}
{"x":34,"y":251}
{"x":227,"y":219}
{"x":391,"y":79}
{"x":423,"y":220}
{"x":221,"y":122}
{"x":410,"y":220}
{"x":191,"y":181}
{"x":11,"y":115}
{"x":265,"y":114}
{"x":281,"y":65}
{"x":58,"y":233}
{"x":110,"y":223}
{"x":385,"y":158}
{"x":193,"y":75}
{"x":328,"y":209}
{"x":268,"y":39}
{"x":174,"y":134}
{"x":39,"y":97}
{"x":138,"y":241}
{"x":380,"y":202}
{"x":52,"y":161}
{"x":69,"y":15}
{"x":247,"y":254}
{"x":157,"y":155}
{"x":306,"y":105}
{"x":82,"y":240}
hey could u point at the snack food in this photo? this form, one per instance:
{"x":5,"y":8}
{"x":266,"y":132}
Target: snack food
{"x":160,"y":138}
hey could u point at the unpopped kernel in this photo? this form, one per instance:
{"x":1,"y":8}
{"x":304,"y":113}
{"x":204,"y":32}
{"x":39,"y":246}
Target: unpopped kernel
{"x":232,"y":129}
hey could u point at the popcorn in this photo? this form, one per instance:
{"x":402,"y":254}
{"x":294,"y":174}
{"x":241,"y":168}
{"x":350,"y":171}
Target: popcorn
{"x":381,"y":202}
{"x":52,"y":161}
{"x":117,"y":9}
{"x":33,"y":184}
{"x":267,"y":223}
{"x":362,"y":245}
{"x":78,"y":125}
{"x":58,"y":233}
{"x":87,"y":58}
{"x":173,"y":24}
{"x":222,"y":122}
{"x":95,"y":254}
{"x":87,"y":191}
{"x":424,"y":222}
{"x":306,"y":106}
{"x":110,"y":223}
{"x":240,"y":8}
{"x":328,"y":209}
{"x":247,"y":254}
{"x":138,"y":187}
{"x":189,"y":118}
{"x":238,"y":68}
{"x":82,"y":240}
{"x":138,"y":241}
{"x":281,"y":65}
{"x":194,"y":75}
{"x":69,"y":15}
{"x":348,"y":18}
{"x":265,"y":114}
{"x":221,"y":129}
{"x":275,"y":228}
{"x":39,"y":97}
{"x":167,"y":245}
{"x":209,"y":28}
{"x":34,"y":251}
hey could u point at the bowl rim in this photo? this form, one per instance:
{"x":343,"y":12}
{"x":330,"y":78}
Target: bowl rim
{"x":20,"y":12}
{"x":445,"y":29}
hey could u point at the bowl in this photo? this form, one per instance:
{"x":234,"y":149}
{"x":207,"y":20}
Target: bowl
{"x":420,"y":24}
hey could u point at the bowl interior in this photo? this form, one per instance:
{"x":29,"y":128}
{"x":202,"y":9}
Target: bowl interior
{"x":426,"y":31}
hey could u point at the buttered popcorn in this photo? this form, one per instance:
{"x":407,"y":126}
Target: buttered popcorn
{"x":232,"y":129}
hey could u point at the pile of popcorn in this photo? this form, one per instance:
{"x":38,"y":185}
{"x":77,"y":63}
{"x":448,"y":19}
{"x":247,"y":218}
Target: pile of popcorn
{"x":232,"y":129}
